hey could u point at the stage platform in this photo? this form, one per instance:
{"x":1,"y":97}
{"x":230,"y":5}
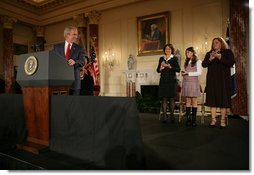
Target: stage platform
{"x":166,"y":147}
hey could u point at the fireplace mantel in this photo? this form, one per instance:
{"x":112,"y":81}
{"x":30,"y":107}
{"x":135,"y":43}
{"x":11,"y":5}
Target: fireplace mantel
{"x":141,"y":77}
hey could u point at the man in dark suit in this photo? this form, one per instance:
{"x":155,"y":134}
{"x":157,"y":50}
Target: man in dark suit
{"x":74,"y":55}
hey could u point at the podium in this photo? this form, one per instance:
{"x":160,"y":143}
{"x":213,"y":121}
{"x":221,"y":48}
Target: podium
{"x":41,"y":74}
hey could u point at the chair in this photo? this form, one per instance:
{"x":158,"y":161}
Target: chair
{"x":201,"y":104}
{"x":179,"y":105}
{"x":161,"y":111}
{"x":200,"y":110}
{"x":205,"y":111}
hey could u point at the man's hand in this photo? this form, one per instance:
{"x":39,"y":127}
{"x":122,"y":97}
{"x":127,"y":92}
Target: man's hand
{"x":71,"y":62}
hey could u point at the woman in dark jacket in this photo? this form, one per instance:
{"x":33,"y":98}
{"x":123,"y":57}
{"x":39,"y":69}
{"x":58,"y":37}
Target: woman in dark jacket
{"x":167,"y":67}
{"x":218,"y":62}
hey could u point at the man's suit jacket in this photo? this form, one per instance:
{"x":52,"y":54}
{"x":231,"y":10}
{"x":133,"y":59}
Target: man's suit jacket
{"x":77,"y":53}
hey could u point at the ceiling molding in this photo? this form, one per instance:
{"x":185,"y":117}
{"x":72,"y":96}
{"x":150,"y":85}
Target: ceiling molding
{"x":53,"y":11}
{"x":40,"y":3}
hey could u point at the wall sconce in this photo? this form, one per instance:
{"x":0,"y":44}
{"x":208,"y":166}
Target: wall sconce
{"x":203,"y":49}
{"x":109,"y":59}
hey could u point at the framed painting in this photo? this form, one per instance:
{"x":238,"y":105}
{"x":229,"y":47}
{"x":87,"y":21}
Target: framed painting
{"x":153,"y":33}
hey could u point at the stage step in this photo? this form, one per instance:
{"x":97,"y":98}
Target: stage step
{"x":16,"y":159}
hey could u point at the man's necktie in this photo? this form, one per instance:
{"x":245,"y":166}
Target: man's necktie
{"x":68,"y":50}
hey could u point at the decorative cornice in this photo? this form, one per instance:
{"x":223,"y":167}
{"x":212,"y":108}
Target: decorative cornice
{"x":80,"y":20}
{"x":52,"y":11}
{"x":8,"y":21}
{"x":38,"y":6}
{"x":93,"y":17}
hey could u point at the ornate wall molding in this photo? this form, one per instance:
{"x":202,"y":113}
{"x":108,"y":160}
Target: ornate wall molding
{"x":80,"y":20}
{"x":8,"y":22}
{"x":53,"y":11}
{"x":93,"y":17}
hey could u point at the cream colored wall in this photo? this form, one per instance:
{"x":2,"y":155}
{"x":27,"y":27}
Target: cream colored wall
{"x":22,"y":34}
{"x":192,"y":23}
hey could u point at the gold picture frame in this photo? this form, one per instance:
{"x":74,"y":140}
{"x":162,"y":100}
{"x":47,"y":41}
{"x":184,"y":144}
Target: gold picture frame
{"x":153,"y":33}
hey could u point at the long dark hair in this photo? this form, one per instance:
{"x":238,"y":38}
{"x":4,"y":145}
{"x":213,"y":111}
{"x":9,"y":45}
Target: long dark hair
{"x":193,"y":59}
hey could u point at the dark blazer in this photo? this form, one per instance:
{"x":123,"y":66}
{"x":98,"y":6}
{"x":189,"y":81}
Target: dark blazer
{"x":78,"y":54}
{"x":168,"y":80}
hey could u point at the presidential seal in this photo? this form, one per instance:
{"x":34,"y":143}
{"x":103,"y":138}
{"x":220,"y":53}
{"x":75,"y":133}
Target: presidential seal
{"x":31,"y":65}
